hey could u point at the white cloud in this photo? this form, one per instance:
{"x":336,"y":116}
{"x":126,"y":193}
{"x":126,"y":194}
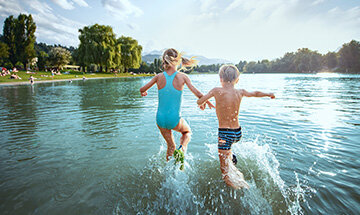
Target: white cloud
{"x":121,"y":9}
{"x":317,"y":2}
{"x":42,"y":8}
{"x":8,"y":8}
{"x":81,"y":3}
{"x":50,"y":27}
{"x":67,"y":5}
{"x":206,"y":5}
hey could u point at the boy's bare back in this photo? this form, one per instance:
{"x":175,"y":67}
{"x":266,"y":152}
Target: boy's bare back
{"x":227,"y":106}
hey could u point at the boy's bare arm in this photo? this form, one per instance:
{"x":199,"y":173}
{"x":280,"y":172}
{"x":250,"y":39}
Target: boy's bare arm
{"x":257,"y":94}
{"x":205,"y":98}
{"x":148,"y":85}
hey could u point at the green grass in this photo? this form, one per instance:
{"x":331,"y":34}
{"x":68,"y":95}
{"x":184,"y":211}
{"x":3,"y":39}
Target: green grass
{"x":73,"y":75}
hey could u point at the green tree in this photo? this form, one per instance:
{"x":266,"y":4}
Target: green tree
{"x":156,"y":65}
{"x":130,"y":53}
{"x":9,"y":38}
{"x":241,"y":65}
{"x":19,"y":35}
{"x":25,"y":38}
{"x":330,"y":60}
{"x":98,"y":46}
{"x":349,"y":56}
{"x":43,"y":60}
{"x":4,"y":52}
{"x":59,"y":57}
{"x":144,"y":68}
{"x":307,"y":60}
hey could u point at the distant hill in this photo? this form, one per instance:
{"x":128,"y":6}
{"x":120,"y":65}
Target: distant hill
{"x":150,"y":56}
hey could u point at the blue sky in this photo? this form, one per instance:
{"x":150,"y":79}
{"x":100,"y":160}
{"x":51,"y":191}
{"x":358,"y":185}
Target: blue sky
{"x":230,"y":29}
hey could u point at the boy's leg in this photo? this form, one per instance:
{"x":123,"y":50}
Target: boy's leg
{"x":235,"y":178}
{"x":169,"y":138}
{"x":185,"y":130}
{"x":224,"y":157}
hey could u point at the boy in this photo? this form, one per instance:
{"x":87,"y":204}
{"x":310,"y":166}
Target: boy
{"x":228,"y":101}
{"x":32,"y":79}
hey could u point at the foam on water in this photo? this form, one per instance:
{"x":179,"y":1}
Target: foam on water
{"x":161,"y":188}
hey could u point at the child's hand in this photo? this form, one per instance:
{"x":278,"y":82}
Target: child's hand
{"x":271,"y":95}
{"x":144,"y":93}
{"x":202,"y":107}
{"x":210,"y":104}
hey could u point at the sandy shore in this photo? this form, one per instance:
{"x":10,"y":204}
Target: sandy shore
{"x":56,"y":80}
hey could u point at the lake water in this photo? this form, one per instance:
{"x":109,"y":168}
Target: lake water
{"x":92,"y":147}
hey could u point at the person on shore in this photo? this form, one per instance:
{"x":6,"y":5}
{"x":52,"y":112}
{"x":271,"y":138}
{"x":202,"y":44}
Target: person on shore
{"x":32,"y":80}
{"x":228,"y":101}
{"x":170,"y":84}
{"x":14,"y":76}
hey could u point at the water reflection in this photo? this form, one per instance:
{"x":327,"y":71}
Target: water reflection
{"x":119,"y":99}
{"x":18,"y":117}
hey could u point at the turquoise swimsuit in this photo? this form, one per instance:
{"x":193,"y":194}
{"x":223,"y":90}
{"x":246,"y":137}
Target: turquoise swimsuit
{"x":168,"y":113}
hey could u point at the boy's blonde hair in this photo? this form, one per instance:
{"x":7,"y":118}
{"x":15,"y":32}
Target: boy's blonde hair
{"x":172,"y":57}
{"x":229,"y":73}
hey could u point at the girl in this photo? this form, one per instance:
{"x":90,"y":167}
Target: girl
{"x":170,"y":84}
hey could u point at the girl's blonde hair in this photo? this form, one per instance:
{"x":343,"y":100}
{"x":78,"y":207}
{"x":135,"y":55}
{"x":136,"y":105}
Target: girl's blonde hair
{"x":173,"y":58}
{"x":229,"y":73}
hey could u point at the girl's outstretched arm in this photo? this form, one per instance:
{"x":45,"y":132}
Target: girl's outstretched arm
{"x":205,"y":98}
{"x":196,"y":92}
{"x":148,"y":85}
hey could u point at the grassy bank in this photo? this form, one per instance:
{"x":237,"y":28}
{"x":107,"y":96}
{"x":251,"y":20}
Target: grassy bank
{"x":46,"y":76}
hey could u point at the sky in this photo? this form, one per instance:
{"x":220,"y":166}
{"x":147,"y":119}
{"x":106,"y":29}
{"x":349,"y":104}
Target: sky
{"x":229,"y":29}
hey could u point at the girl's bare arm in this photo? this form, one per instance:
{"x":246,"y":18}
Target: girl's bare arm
{"x":196,"y":92}
{"x":148,"y":86}
{"x":205,"y":98}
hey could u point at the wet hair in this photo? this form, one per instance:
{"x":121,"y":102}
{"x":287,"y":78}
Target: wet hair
{"x":173,"y":58}
{"x":229,"y":73}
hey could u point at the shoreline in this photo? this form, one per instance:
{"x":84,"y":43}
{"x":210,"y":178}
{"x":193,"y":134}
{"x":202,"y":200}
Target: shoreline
{"x":59,"y":80}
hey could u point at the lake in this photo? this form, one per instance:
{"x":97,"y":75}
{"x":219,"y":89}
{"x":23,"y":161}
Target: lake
{"x":92,"y":147}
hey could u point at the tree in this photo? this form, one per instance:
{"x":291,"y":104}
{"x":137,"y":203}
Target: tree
{"x":349,"y":56}
{"x":42,"y":60}
{"x":98,"y":46}
{"x":25,"y":38}
{"x":156,"y":65}
{"x":9,"y":38}
{"x":241,"y":65}
{"x":330,"y":60}
{"x":59,"y":57}
{"x":130,"y":53}
{"x":19,"y":35}
{"x":4,"y":52}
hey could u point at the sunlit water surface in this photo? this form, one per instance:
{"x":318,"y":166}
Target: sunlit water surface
{"x":92,"y":147}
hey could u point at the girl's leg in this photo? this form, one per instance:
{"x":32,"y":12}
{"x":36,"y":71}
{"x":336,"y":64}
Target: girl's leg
{"x":169,"y":138}
{"x":185,"y":130}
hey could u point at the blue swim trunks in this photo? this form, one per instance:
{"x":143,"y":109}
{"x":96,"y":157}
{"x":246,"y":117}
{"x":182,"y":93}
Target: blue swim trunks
{"x":227,"y":137}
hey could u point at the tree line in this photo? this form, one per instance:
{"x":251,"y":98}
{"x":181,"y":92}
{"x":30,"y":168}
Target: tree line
{"x":346,"y":60}
{"x":99,"y":48}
